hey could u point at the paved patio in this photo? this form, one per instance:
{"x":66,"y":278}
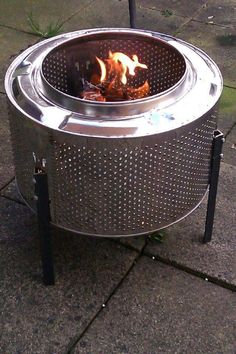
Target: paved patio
{"x":131,"y":295}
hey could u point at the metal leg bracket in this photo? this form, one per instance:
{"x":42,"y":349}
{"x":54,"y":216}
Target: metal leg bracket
{"x":216,"y":156}
{"x":43,"y":211}
{"x":132,"y":13}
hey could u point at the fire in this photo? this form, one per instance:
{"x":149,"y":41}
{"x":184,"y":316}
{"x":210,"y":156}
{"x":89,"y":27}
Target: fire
{"x":112,"y":83}
{"x":119,"y":64}
{"x":103,"y":69}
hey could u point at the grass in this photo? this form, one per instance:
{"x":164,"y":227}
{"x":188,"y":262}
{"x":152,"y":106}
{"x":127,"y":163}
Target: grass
{"x":157,"y":237}
{"x":227,"y":39}
{"x":167,"y":12}
{"x":228,"y":101}
{"x":50,"y":31}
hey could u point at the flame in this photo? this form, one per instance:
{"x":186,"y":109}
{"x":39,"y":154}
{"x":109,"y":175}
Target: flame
{"x":103,"y":69}
{"x":110,"y":84}
{"x":119,"y":64}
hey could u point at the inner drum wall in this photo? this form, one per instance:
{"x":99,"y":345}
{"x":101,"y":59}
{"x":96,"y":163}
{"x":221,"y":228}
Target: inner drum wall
{"x":63,"y":67}
{"x":117,"y":186}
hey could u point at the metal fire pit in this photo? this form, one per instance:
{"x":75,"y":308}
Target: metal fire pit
{"x":114,"y":168}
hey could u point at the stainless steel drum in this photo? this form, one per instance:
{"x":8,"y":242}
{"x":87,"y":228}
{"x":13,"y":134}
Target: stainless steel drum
{"x":114,"y":168}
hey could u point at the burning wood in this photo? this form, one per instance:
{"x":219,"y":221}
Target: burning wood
{"x":93,"y":95}
{"x":112,"y":84}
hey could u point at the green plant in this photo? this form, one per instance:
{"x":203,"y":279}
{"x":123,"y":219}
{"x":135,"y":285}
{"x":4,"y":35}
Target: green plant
{"x":51,"y":30}
{"x":226,"y":39}
{"x":157,"y":237}
{"x":167,"y":13}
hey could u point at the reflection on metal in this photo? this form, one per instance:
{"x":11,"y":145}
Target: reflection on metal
{"x":120,"y":168}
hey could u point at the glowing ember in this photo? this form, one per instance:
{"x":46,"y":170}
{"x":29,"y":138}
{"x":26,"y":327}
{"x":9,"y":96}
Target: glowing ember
{"x":112,"y":83}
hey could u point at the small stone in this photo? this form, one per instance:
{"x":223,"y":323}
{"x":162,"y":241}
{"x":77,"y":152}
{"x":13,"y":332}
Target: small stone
{"x":210,"y":17}
{"x":153,"y":257}
{"x":103,"y":305}
{"x":206,"y":279}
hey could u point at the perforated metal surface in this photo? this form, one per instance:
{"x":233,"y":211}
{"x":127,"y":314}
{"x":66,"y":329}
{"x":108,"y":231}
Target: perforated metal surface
{"x":23,"y":155}
{"x":131,"y":187}
{"x":64,"y":64}
{"x":55,"y":70}
{"x":127,"y":175}
{"x":127,"y":187}
{"x":28,"y":144}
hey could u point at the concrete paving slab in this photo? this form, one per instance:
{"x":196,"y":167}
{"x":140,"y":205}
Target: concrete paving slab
{"x":231,"y":138}
{"x":100,"y":13}
{"x":155,"y":21}
{"x":15,"y":219}
{"x":11,"y":192}
{"x":14,"y":13}
{"x":180,"y":8}
{"x":115,"y":14}
{"x":182,"y":243}
{"x":227,"y":110}
{"x":209,"y":38}
{"x":159,"y":309}
{"x":37,"y":319}
{"x":229,"y":151}
{"x":135,"y":242}
{"x":6,"y":163}
{"x":11,"y":43}
{"x":230,"y":147}
{"x":219,"y":12}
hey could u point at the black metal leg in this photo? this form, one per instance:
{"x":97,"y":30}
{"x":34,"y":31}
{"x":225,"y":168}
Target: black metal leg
{"x":132,"y":13}
{"x":43,"y":210}
{"x":217,"y":143}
